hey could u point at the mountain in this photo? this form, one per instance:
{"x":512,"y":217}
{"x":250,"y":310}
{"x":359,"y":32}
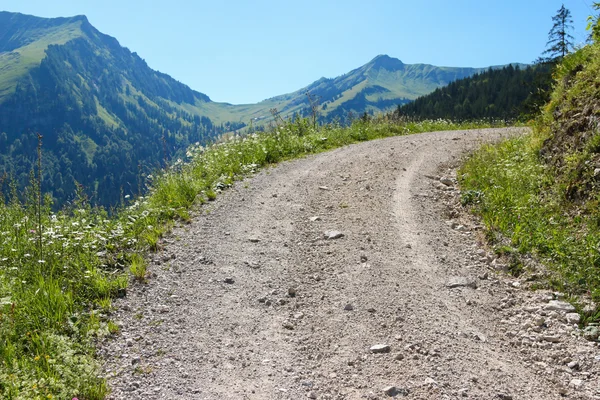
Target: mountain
{"x":106,"y":118}
{"x":506,"y":93}
{"x":378,"y":86}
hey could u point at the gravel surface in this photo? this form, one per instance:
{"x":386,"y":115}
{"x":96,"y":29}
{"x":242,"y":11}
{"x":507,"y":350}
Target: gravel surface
{"x":347,"y":275}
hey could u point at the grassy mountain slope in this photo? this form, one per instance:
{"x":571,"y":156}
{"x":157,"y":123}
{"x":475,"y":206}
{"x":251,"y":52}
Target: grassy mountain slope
{"x":377,"y":86}
{"x":24,"y":40}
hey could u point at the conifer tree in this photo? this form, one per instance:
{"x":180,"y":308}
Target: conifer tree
{"x":560,"y":41}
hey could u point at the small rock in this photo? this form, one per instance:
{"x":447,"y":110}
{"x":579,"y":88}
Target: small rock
{"x":576,"y":384}
{"x":461,"y":282}
{"x":380,"y":348}
{"x":299,"y":315}
{"x":288,"y":325}
{"x":551,"y":339}
{"x":312,"y":395}
{"x":292,"y":292}
{"x":363,"y":258}
{"x":591,"y":333}
{"x":324,"y":188}
{"x":229,"y":280}
{"x":573,"y":318}
{"x":330,"y":235}
{"x":390,"y":391}
{"x":349,"y":307}
{"x":504,"y":396}
{"x":315,"y":219}
{"x":399,"y":357}
{"x":462,"y":228}
{"x":573,"y":365}
{"x":555,"y":305}
{"x":254,"y":240}
{"x":282,"y":302}
{"x":446,"y":181}
{"x":429,"y":382}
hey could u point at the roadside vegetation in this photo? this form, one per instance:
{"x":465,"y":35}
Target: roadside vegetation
{"x":542,"y":191}
{"x":60,"y":271}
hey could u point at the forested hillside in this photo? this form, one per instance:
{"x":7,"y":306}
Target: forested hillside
{"x":106,"y":118}
{"x":507,"y":94}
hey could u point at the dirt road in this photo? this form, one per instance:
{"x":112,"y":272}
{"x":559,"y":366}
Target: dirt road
{"x":254,"y":301}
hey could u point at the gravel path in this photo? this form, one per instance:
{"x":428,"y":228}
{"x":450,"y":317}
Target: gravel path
{"x":252,"y":300}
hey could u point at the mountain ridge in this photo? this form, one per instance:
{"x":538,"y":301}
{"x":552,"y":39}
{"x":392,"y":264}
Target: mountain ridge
{"x":103,"y":111}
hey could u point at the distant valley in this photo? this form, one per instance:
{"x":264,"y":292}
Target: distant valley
{"x":108,"y":119}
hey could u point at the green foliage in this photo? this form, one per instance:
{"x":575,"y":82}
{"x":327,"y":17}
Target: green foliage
{"x":508,"y":94}
{"x":519,"y":198}
{"x":138,"y":267}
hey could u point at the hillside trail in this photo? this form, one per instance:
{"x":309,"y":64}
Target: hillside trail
{"x":253,"y":301}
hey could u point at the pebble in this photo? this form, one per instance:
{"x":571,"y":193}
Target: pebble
{"x":573,"y":365}
{"x":573,"y":318}
{"x":349,"y":307}
{"x":312,"y":395}
{"x":288,"y":325}
{"x":446,"y":181}
{"x":551,"y":339}
{"x":576,"y":383}
{"x":229,"y":280}
{"x":254,"y":240}
{"x":390,"y":391}
{"x":333,"y":235}
{"x":380,"y":348}
{"x":555,"y":305}
{"x":461,"y":282}
{"x":591,"y":333}
{"x":315,"y":219}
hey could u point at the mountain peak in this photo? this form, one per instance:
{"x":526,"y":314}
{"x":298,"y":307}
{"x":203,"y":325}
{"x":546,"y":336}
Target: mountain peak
{"x":386,"y":62}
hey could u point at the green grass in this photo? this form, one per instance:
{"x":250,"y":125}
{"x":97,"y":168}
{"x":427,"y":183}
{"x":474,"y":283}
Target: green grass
{"x":517,"y":196}
{"x":55,"y":300}
{"x":542,"y":191}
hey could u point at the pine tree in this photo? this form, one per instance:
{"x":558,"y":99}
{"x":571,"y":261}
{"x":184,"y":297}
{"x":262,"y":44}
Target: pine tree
{"x":560,"y":41}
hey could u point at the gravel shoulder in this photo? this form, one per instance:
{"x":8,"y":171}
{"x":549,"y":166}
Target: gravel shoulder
{"x":258,"y":298}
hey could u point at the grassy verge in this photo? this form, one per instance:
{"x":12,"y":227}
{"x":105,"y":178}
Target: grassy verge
{"x":542,"y":191}
{"x":59,"y":273}
{"x":519,"y":197}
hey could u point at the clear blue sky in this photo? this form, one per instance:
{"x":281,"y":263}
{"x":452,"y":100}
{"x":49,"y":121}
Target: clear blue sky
{"x":246,"y":51}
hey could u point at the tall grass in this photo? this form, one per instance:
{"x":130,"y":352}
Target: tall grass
{"x":55,"y":303}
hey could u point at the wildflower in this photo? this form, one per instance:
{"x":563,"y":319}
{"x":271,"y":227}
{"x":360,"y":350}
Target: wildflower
{"x":36,"y":358}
